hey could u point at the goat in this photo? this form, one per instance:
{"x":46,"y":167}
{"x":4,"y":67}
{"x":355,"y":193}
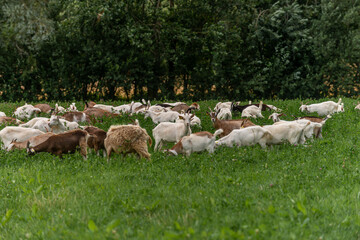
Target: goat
{"x":76,"y":117}
{"x":10,"y":120}
{"x":59,"y":125}
{"x":72,"y":108}
{"x":66,"y":142}
{"x":27,"y":111}
{"x":224,"y":114}
{"x":59,"y":109}
{"x":253,"y":111}
{"x":96,"y":139}
{"x":162,"y":116}
{"x":2,"y":114}
{"x":292,"y":132}
{"x":32,"y":122}
{"x":20,"y":133}
{"x":184,"y":107}
{"x":221,"y":105}
{"x":127,"y":139}
{"x":99,"y":113}
{"x":44,"y":107}
{"x":228,"y":125}
{"x":246,"y":137}
{"x":172,"y":132}
{"x":36,"y":140}
{"x":238,"y":108}
{"x":89,"y":105}
{"x":196,"y":142}
{"x":324,"y":108}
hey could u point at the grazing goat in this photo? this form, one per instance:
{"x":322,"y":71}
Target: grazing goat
{"x":44,"y":107}
{"x":253,"y":111}
{"x":158,"y":117}
{"x":315,"y":127}
{"x":221,"y":105}
{"x":246,"y":137}
{"x":238,"y":108}
{"x":324,"y":108}
{"x":59,"y":109}
{"x":184,"y":108}
{"x":36,"y":140}
{"x":126,"y":139}
{"x":76,"y":117}
{"x":292,"y":132}
{"x":96,"y":139}
{"x":172,"y":132}
{"x":27,"y":111}
{"x":8,"y":134}
{"x":196,"y":142}
{"x":228,"y":125}
{"x":224,"y":114}
{"x":99,"y":113}
{"x":59,"y":125}
{"x":66,"y":142}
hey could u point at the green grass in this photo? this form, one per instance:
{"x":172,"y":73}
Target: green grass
{"x":287,"y":192}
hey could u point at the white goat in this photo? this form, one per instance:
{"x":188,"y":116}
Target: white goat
{"x":8,"y":134}
{"x":2,"y":114}
{"x":196,"y":142}
{"x":171,"y":132}
{"x":59,"y":125}
{"x":324,"y":108}
{"x":253,"y":111}
{"x":59,"y":109}
{"x":26,"y":111}
{"x":292,"y":132}
{"x":32,"y":122}
{"x":195,"y":121}
{"x":224,"y":114}
{"x":221,"y":105}
{"x":158,"y":117}
{"x":246,"y":137}
{"x":72,"y":108}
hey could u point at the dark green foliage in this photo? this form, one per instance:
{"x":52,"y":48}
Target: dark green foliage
{"x":133,"y":49}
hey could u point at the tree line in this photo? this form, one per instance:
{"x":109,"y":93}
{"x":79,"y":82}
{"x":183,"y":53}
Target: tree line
{"x":178,"y":49}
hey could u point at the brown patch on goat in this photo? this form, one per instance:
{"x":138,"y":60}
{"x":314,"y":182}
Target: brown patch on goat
{"x":44,"y":107}
{"x":313,"y":119}
{"x":204,"y":134}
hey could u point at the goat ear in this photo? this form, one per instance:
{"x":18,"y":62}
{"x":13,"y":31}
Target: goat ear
{"x":181,"y":117}
{"x":270,"y":116}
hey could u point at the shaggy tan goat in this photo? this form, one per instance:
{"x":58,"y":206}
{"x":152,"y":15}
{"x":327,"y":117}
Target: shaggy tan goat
{"x":126,"y":139}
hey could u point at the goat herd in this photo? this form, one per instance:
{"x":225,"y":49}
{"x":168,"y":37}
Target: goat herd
{"x":61,"y":132}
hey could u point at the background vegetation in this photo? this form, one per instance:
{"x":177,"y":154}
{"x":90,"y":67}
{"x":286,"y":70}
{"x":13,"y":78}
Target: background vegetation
{"x":287,"y":192}
{"x":198,"y":49}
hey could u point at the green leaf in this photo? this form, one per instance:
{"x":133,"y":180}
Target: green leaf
{"x":113,"y":224}
{"x":301,"y":208}
{"x":7,"y":217}
{"x":92,"y":226}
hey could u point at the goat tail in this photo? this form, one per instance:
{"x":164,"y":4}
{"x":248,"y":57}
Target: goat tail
{"x":218,"y":132}
{"x":150,"y":141}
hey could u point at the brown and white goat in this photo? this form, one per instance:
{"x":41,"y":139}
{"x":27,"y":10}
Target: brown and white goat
{"x":34,"y":141}
{"x":184,"y":107}
{"x":228,"y":125}
{"x":96,"y":139}
{"x":66,"y":142}
{"x":196,"y":142}
{"x":44,"y":107}
{"x":10,"y":120}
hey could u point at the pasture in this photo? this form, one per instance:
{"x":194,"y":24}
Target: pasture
{"x":287,"y":192}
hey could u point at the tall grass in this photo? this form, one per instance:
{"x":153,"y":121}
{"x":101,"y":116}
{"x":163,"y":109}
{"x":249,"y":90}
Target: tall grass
{"x":287,"y":192}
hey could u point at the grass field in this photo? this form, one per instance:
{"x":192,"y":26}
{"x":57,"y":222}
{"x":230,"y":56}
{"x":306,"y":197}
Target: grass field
{"x":287,"y":192}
